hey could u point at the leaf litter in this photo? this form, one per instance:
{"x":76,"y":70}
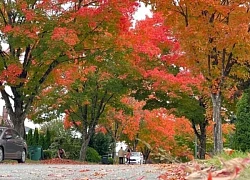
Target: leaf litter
{"x":194,"y":170}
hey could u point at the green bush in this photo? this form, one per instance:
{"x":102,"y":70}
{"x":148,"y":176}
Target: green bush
{"x":110,"y":160}
{"x":73,"y":151}
{"x":47,"y":154}
{"x":92,"y":155}
{"x":101,"y":143}
{"x":242,"y":133}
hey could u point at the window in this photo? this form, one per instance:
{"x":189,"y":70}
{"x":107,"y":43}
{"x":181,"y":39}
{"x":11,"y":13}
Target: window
{"x":7,"y":132}
{"x":15,"y":135}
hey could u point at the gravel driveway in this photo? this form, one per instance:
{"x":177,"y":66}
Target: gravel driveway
{"x":79,"y":172}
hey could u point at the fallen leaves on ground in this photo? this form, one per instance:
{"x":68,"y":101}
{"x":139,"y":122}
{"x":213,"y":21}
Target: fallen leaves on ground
{"x":197,"y":171}
{"x":61,"y":161}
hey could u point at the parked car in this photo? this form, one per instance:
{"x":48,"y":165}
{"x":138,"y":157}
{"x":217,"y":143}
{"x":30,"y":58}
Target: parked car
{"x":136,"y":158}
{"x":12,"y":145}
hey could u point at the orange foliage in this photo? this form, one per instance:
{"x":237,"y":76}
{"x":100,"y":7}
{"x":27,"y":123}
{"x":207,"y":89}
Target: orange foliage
{"x":67,"y":75}
{"x":68,"y":36}
{"x":226,"y":130}
{"x":156,"y":127}
{"x":68,"y":123}
{"x":11,"y":74}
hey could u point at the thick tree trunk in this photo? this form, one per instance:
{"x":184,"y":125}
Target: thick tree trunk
{"x":114,"y":149}
{"x":201,"y":135}
{"x":218,"y":143}
{"x":146,"y":152}
{"x":17,"y":115}
{"x":202,"y":147}
{"x":84,"y":148}
{"x":19,"y":126}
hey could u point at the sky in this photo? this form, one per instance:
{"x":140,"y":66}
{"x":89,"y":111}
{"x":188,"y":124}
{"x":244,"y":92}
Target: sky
{"x":141,"y":14}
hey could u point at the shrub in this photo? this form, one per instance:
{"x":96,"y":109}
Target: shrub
{"x":92,"y":155}
{"x":73,"y":151}
{"x":242,"y":134}
{"x":110,"y":160}
{"x":47,"y":154}
{"x":101,"y":143}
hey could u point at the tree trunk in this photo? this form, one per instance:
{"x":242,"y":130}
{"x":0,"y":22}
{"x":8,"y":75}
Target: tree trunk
{"x":84,"y":148}
{"x":17,"y":117}
{"x":146,"y":152}
{"x":114,"y":149}
{"x":218,"y":143}
{"x":202,"y":139}
{"x":202,"y":147}
{"x":19,"y":126}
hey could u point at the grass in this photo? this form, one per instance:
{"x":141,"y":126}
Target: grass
{"x":216,"y":162}
{"x":29,"y":161}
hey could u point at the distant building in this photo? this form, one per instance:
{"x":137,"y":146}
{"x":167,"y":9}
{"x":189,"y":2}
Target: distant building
{"x":4,"y":119}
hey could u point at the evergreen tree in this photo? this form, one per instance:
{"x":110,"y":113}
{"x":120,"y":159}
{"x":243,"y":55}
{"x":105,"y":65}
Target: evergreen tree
{"x":101,"y":143}
{"x":36,"y":137}
{"x":42,"y":141}
{"x":47,"y":139}
{"x":30,"y":138}
{"x":242,"y":134}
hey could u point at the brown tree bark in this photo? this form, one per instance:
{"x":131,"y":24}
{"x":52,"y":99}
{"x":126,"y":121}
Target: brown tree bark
{"x":218,"y":143}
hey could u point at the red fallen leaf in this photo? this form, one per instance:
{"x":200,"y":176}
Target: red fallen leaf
{"x":141,"y":178}
{"x":246,"y":161}
{"x":209,"y":176}
{"x":84,"y":170}
{"x":237,"y":170}
{"x":61,"y":161}
{"x":98,"y":174}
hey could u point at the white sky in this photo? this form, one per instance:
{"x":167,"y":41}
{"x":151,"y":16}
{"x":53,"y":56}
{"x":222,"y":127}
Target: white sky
{"x":142,"y":12}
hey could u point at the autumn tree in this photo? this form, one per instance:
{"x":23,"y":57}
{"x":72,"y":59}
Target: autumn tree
{"x":40,"y":36}
{"x":86,"y":103}
{"x":87,"y":88}
{"x":101,"y":143}
{"x":215,"y":43}
{"x":114,"y":123}
{"x":151,"y":131}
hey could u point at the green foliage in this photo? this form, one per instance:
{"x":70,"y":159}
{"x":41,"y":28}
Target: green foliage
{"x":216,"y":160}
{"x":184,"y":104}
{"x":41,"y":140}
{"x":30,"y":138}
{"x":92,"y":155}
{"x":47,"y":154}
{"x":101,"y":143}
{"x":110,"y":160}
{"x":189,"y":107}
{"x":47,"y":141}
{"x":36,"y":137}
{"x":73,"y":151}
{"x":56,"y":136}
{"x":58,"y":142}
{"x":55,"y":128}
{"x":242,"y":133}
{"x":71,"y":146}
